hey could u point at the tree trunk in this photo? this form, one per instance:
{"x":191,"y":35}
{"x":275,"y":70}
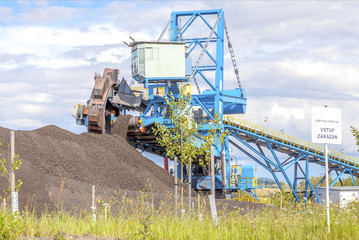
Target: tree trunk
{"x":189,"y":187}
{"x":213,"y":180}
{"x":176,"y":184}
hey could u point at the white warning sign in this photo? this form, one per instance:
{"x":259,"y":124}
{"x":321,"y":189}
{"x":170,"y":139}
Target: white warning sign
{"x":326,"y":125}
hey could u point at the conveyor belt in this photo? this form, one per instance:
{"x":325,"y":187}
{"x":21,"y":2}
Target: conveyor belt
{"x":288,"y":144}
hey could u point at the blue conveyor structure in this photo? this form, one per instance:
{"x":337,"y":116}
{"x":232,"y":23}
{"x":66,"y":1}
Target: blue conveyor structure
{"x":250,"y":139}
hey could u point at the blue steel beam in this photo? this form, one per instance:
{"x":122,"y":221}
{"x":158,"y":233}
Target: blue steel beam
{"x":201,"y":40}
{"x":209,"y":26}
{"x":251,"y":156}
{"x":272,"y":171}
{"x":218,"y":103}
{"x":195,"y":99}
{"x":294,"y":161}
{"x":205,"y":78}
{"x":341,"y":174}
{"x":255,"y":151}
{"x":340,"y":180}
{"x":294,"y":187}
{"x":337,"y":178}
{"x":208,"y":54}
{"x":284,"y":172}
{"x":306,"y":178}
{"x":351,"y":175}
{"x":308,"y":181}
{"x":188,"y":23}
{"x":320,"y":182}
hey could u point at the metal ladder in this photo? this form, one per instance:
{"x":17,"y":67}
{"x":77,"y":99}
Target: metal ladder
{"x":232,"y":55}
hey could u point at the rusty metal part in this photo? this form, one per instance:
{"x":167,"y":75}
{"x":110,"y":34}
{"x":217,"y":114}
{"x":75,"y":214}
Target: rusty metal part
{"x":96,"y":107}
{"x":134,"y":122}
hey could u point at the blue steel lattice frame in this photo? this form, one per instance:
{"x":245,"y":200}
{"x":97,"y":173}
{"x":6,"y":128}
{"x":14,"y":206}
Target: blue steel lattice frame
{"x":211,"y":102}
{"x":218,"y":38}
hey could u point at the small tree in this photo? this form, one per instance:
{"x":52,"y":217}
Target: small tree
{"x":355,"y":133}
{"x":183,"y":139}
{"x":5,"y":171}
{"x":179,"y":140}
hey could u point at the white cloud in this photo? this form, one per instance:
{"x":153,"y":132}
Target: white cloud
{"x":29,"y":97}
{"x":45,"y":46}
{"x":28,"y":108}
{"x":49,"y":14}
{"x":8,"y":65}
{"x":44,"y":40}
{"x":22,"y":123}
{"x":336,"y":76}
{"x":287,"y":112}
{"x":10,"y":87}
{"x":6,"y":14}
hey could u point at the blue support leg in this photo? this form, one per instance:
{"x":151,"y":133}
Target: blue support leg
{"x":306,"y":180}
{"x":283,"y":172}
{"x":337,"y":178}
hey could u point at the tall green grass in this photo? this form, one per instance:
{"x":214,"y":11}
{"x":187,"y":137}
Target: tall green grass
{"x":139,"y":219}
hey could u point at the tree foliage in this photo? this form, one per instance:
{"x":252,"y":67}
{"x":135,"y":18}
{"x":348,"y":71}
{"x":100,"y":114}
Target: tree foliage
{"x":355,"y":133}
{"x":183,"y":139}
{"x":5,"y":170}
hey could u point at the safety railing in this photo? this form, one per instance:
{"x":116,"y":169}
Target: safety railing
{"x":289,"y":140}
{"x":200,"y":119}
{"x":263,"y":200}
{"x":237,"y":179}
{"x":140,"y":90}
{"x":160,"y":91}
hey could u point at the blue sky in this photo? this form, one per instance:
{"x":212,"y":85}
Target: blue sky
{"x":292,"y":55}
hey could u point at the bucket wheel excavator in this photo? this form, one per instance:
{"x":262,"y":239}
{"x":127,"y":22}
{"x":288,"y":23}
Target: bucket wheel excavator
{"x":109,"y":99}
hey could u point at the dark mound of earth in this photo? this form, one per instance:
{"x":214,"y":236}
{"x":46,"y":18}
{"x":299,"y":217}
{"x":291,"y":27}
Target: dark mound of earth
{"x":60,"y":167}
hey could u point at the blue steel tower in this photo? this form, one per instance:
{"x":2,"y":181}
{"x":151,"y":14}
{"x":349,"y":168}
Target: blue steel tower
{"x":206,"y":51}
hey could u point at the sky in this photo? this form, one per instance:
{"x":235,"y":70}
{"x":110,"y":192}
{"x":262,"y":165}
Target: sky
{"x":292,"y":55}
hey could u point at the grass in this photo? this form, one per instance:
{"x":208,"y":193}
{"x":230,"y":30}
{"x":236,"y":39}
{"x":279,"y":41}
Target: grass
{"x":138,"y":219}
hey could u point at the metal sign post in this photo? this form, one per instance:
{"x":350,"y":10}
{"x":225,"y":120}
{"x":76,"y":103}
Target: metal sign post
{"x":326,"y":128}
{"x":327,"y":185}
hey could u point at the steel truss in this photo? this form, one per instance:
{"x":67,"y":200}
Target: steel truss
{"x":252,"y":139}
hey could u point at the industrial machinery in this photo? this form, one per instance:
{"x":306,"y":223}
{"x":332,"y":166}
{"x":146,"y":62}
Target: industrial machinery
{"x":166,"y":67}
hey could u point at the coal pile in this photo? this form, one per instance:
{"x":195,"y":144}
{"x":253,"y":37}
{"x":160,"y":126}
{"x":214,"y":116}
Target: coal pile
{"x":60,"y":167}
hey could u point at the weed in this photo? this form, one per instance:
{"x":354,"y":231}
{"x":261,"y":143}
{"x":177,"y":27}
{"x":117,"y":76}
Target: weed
{"x":138,"y":219}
